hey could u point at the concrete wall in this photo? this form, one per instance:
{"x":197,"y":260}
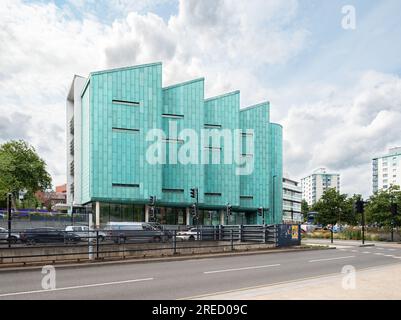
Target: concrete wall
{"x":25,"y":255}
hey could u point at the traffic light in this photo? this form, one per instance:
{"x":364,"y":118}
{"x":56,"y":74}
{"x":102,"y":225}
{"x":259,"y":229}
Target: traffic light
{"x":152,"y":214}
{"x":394,"y":209}
{"x":229,"y":210}
{"x":152,"y":200}
{"x":260,"y":211}
{"x":193,"y":210}
{"x":194,"y":193}
{"x":359,"y":206}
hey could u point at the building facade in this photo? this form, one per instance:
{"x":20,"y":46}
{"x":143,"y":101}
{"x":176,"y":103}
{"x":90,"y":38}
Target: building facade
{"x":125,"y":133}
{"x":292,"y":199}
{"x":314,"y":185}
{"x":51,"y":199}
{"x":386,"y":170}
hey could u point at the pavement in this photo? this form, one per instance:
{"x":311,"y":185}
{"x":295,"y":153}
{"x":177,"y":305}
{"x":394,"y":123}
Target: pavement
{"x":242,"y":277}
{"x":378,"y":283}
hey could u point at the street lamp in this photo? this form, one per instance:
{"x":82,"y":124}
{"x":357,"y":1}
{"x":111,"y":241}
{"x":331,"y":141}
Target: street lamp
{"x":273,"y":202}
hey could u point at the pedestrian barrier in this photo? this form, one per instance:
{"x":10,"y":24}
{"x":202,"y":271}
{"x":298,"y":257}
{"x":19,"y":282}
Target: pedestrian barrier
{"x":46,"y":244}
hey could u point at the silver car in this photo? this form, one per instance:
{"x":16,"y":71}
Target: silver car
{"x":14,"y":237}
{"x":85,"y":233}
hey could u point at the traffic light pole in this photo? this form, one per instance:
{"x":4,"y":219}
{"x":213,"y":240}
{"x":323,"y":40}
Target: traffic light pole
{"x":363,"y":228}
{"x":196,"y":211}
{"x":9,"y":205}
{"x":360,"y":208}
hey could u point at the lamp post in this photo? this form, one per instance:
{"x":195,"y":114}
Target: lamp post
{"x":273,"y":202}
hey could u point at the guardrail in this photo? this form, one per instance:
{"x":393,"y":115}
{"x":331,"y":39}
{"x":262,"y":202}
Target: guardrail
{"x":32,"y":246}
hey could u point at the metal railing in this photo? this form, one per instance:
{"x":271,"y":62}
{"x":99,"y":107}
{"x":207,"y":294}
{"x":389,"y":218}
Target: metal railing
{"x":46,"y":244}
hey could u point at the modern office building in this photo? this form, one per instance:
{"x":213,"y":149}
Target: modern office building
{"x":128,"y":139}
{"x":292,"y":198}
{"x":387,"y":170}
{"x":314,"y":185}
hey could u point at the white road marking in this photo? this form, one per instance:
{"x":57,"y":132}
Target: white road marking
{"x":395,"y":257}
{"x":240,"y":269}
{"x":75,"y":287}
{"x":354,"y":250}
{"x":379,"y":253}
{"x":389,"y":255}
{"x":318,"y":260}
{"x":366,"y":252}
{"x":391,"y":249}
{"x":379,"y":248}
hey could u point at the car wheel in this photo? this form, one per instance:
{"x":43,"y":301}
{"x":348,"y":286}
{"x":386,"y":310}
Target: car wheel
{"x":101,"y":238}
{"x":191,"y":238}
{"x":31,"y":242}
{"x":157,"y":239}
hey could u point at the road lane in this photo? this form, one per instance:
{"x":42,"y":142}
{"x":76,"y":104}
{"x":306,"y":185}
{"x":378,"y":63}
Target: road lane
{"x":178,"y":279}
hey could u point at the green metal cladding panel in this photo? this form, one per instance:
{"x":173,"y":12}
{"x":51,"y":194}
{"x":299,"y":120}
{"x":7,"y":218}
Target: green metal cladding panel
{"x":118,"y":156}
{"x":222,"y":113}
{"x":257,"y":184}
{"x":183,"y":108}
{"x":276,"y":156}
{"x":114,"y":144}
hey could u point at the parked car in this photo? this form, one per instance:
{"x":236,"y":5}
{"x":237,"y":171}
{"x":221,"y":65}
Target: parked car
{"x":14,"y":237}
{"x":189,"y":235}
{"x":160,"y":227}
{"x":85,"y":233}
{"x":48,"y":235}
{"x":121,"y":232}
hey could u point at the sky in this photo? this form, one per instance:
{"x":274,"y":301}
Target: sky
{"x":335,"y":90}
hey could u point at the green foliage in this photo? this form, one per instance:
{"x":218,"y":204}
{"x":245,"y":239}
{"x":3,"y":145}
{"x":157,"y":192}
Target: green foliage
{"x":21,"y":169}
{"x":378,"y":207}
{"x":334,"y":207}
{"x":305,"y":209}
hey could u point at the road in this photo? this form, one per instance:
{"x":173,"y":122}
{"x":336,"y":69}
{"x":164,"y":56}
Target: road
{"x":192,"y":278}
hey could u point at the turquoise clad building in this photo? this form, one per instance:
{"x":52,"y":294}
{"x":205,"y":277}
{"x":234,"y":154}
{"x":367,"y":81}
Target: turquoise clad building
{"x":128,"y":139}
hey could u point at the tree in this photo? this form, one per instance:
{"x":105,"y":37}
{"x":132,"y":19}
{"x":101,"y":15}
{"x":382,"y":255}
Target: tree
{"x":378,"y":208}
{"x":21,"y":169}
{"x":333,"y":207}
{"x":305,"y":209}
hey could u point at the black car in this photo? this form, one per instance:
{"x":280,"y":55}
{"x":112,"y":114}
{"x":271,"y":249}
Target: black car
{"x":48,"y":235}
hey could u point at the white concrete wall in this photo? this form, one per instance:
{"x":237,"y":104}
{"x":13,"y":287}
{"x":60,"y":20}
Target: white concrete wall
{"x":74,"y":111}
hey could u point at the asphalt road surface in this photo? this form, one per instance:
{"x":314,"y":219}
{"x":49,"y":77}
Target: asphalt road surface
{"x":191,"y":278}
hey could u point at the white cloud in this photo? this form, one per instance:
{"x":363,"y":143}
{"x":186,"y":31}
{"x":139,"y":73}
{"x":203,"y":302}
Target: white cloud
{"x":346,"y":130}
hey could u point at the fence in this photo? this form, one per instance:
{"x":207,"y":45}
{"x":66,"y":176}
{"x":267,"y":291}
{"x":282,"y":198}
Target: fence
{"x":30,"y":221}
{"x":41,"y":245}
